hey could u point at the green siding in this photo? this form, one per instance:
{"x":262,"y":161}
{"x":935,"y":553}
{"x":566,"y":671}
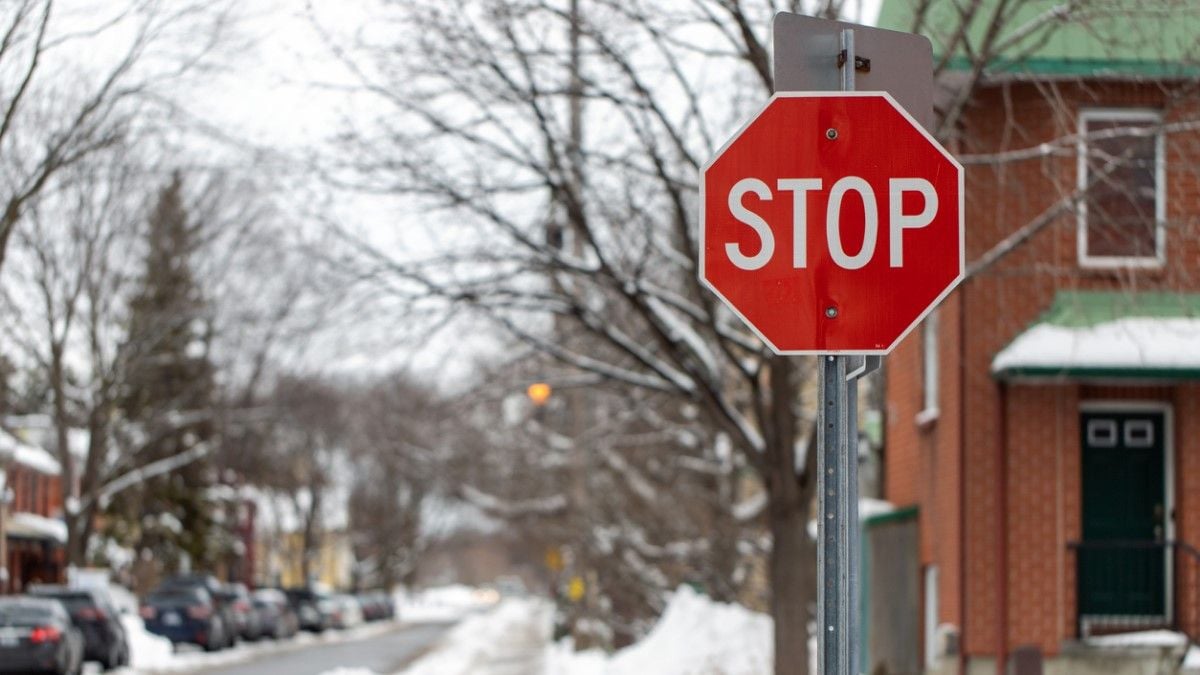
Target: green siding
{"x":1081,"y":309}
{"x":1117,"y":37}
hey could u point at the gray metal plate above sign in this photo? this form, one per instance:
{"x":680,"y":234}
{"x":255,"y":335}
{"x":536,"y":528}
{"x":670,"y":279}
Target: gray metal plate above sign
{"x":806,"y":59}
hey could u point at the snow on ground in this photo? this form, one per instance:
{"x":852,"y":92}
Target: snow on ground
{"x":151,"y":653}
{"x":146,"y":650}
{"x":695,"y":636}
{"x":509,"y":639}
{"x":1191,"y":662}
{"x":444,"y":603}
{"x":1145,"y":638}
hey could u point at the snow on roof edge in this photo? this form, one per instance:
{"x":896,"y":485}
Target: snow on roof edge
{"x":1131,"y":343}
{"x":32,"y":523}
{"x":27,"y":455}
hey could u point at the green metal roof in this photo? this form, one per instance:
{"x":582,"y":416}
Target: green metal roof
{"x":1078,"y":309}
{"x":1111,"y":335}
{"x":1155,"y":38}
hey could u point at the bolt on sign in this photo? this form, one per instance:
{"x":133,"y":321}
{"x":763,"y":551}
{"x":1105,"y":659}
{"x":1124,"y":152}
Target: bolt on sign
{"x":832,"y":223}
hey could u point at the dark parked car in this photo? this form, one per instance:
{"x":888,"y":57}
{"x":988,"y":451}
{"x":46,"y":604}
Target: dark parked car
{"x":187,"y":615}
{"x":94,"y":614}
{"x":37,"y":636}
{"x":278,"y":618}
{"x":377,"y":606}
{"x":314,"y":608}
{"x":216,"y":590}
{"x":245,"y":619}
{"x":371,"y":611}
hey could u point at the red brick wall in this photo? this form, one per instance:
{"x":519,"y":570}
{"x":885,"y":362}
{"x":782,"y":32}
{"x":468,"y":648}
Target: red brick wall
{"x":1187,"y":501}
{"x":1042,"y":461}
{"x":35,"y":492}
{"x":990,"y":309}
{"x":923,"y":461}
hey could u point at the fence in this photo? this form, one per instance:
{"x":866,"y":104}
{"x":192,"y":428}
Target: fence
{"x":1136,"y":585}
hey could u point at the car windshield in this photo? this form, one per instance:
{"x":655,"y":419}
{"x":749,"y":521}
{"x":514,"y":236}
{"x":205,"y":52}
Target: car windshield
{"x":24,"y":614}
{"x":180,"y":597}
{"x":72,"y":601}
{"x":189,"y":582}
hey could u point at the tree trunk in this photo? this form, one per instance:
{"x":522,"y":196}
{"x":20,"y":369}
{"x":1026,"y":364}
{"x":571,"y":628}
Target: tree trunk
{"x":79,"y":534}
{"x":793,"y":564}
{"x":309,"y":543}
{"x":76,"y":547}
{"x":76,"y":541}
{"x":793,"y":587}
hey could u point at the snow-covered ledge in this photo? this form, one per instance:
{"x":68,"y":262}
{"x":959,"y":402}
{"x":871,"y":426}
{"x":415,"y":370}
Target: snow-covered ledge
{"x":1156,"y":346}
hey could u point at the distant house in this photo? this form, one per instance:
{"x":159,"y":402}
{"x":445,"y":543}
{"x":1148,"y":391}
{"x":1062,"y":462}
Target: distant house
{"x":1045,"y":421}
{"x":331,"y":564}
{"x":31,"y":527}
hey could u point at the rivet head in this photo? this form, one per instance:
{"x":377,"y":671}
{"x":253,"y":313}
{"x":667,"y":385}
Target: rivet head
{"x":831,"y":134}
{"x":831,"y":312}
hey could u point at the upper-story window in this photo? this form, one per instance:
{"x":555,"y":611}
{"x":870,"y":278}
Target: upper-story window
{"x":1122,"y":173}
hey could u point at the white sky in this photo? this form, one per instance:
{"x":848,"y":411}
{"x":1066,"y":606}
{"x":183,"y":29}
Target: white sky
{"x":283,"y":94}
{"x":263,"y":92}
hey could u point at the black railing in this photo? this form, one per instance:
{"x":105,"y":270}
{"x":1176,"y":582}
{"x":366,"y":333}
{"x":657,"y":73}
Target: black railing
{"x":1136,"y":585}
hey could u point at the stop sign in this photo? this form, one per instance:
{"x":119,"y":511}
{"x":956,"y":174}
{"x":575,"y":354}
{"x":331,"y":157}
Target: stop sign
{"x":832,"y":223}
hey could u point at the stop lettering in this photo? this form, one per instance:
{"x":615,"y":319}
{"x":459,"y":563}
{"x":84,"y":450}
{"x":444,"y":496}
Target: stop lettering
{"x":831,"y":223}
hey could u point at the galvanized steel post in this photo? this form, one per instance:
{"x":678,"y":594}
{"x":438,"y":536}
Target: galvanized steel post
{"x":838,"y":530}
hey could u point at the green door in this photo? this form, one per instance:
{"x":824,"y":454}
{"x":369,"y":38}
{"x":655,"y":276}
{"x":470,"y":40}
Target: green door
{"x":1122,"y":565}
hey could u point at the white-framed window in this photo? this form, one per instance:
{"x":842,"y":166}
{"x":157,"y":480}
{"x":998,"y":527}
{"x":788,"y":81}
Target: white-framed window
{"x":1122,"y":175}
{"x":929,"y":369}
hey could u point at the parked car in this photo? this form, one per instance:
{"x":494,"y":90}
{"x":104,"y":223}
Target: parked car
{"x":36,"y":635}
{"x":275,"y":614}
{"x":313,"y":607}
{"x":187,"y":615}
{"x":245,"y":619}
{"x":222,"y":602}
{"x":388,"y":603}
{"x":371,"y":609}
{"x":97,"y":618}
{"x":377,"y":606}
{"x":347,"y":613}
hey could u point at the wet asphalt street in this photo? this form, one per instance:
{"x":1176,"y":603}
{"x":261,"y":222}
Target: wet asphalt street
{"x":385,"y":654}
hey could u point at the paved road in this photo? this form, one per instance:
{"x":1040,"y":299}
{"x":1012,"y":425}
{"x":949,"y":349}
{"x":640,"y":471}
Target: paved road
{"x":386,"y":653}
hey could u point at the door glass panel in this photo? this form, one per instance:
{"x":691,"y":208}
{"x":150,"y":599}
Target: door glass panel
{"x":1139,"y":433}
{"x":1102,"y":433}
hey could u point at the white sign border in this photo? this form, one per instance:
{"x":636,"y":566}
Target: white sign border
{"x":961,"y":221}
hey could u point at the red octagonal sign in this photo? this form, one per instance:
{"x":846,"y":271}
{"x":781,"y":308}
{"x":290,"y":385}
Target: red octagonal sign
{"x":832,"y":223}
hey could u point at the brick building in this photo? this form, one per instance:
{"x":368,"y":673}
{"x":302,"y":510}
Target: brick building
{"x":33,"y":533}
{"x":1045,"y":422}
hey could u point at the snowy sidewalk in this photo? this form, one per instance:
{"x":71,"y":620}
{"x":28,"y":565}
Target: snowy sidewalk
{"x":512,"y":639}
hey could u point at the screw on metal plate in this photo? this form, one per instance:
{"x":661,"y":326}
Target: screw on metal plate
{"x":861,"y":64}
{"x":831,"y":312}
{"x":831,"y":134}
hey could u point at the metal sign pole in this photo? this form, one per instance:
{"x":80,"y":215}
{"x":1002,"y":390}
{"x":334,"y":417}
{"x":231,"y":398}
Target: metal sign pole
{"x":838,"y":528}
